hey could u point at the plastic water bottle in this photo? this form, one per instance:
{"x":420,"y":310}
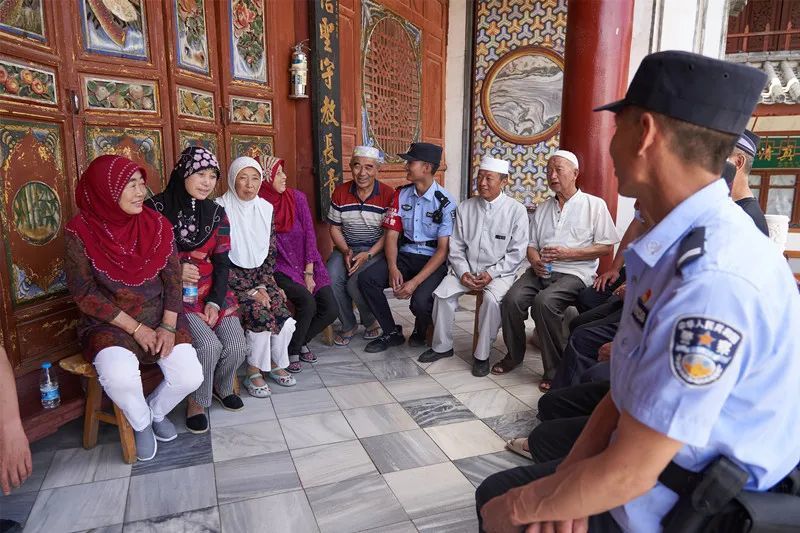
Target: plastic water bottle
{"x":48,"y":386}
{"x":189,"y":292}
{"x":549,"y":269}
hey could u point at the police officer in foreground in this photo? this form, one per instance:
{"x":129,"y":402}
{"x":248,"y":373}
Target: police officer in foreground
{"x":417,"y":226}
{"x":706,"y":363}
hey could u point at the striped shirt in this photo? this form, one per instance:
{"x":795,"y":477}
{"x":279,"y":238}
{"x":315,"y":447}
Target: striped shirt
{"x":360,"y":221}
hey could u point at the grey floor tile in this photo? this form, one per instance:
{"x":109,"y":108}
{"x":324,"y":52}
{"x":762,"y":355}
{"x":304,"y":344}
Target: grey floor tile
{"x":528,"y":393}
{"x":355,"y":505}
{"x":79,"y":507}
{"x":186,"y":450}
{"x":402,"y":527}
{"x":345,"y":374}
{"x":171,"y":492}
{"x":431,"y":489}
{"x":491,"y":402}
{"x":304,"y":403}
{"x":391,"y":369}
{"x":482,"y":466}
{"x":116,"y":528}
{"x":314,"y":430}
{"x":331,"y":463}
{"x":415,"y":388}
{"x":404,"y":450}
{"x":308,"y":379}
{"x":200,"y":521}
{"x":456,"y":521}
{"x":255,"y":410}
{"x":513,"y":425}
{"x":459,"y":381}
{"x":255,"y":477}
{"x":76,"y":465}
{"x":41,"y":462}
{"x":17,"y":507}
{"x":521,"y":375}
{"x":361,"y":395}
{"x":288,"y":512}
{"x":379,"y":419}
{"x":437,"y":411}
{"x":448,"y":364}
{"x":466,"y":439}
{"x":337,"y":355}
{"x":247,"y":440}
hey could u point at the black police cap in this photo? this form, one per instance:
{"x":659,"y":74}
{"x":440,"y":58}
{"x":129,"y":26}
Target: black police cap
{"x":427,"y":152}
{"x":707,"y":92}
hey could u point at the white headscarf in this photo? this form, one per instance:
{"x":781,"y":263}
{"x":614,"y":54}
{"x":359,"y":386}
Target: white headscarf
{"x":251,"y":222}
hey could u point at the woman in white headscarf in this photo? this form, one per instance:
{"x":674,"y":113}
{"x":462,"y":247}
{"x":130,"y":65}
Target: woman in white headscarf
{"x":266,"y":319}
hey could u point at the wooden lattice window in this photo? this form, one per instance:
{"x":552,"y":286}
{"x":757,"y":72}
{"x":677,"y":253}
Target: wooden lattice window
{"x":391,"y":87}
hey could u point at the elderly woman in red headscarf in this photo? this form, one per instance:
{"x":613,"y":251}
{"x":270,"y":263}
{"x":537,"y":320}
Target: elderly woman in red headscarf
{"x":124,"y":275}
{"x":299,"y":269}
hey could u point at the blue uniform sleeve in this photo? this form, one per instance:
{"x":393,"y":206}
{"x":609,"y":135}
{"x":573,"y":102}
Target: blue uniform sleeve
{"x":448,"y":219}
{"x":693,"y":351}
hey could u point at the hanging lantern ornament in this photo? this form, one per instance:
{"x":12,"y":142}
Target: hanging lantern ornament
{"x":299,"y":70}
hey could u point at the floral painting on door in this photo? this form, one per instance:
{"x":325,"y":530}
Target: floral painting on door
{"x":192,"y":45}
{"x":249,"y":59}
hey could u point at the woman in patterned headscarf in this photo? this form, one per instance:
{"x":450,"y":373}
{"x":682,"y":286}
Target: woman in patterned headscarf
{"x":202,"y":235}
{"x":125,"y":277}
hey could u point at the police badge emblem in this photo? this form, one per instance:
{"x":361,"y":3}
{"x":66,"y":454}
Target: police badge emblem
{"x":702,"y":348}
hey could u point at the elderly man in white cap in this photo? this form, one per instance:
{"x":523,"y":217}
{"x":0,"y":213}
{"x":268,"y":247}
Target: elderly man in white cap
{"x":486,"y":249}
{"x":569,"y":232}
{"x":357,"y":210}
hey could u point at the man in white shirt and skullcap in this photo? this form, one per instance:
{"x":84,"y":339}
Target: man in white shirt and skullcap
{"x":569,"y":232}
{"x":488,"y":245}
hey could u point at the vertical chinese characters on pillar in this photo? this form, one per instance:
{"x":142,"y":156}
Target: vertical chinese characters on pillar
{"x":325,"y":99}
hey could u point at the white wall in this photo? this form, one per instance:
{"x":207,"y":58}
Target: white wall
{"x":454,"y":99}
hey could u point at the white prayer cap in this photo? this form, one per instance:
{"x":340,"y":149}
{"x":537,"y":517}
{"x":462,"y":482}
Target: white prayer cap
{"x":494,"y":165}
{"x":367,"y":151}
{"x":569,"y":156}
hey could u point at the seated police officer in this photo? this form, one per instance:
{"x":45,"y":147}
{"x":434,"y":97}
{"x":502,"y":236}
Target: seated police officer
{"x":417,"y":226}
{"x":703,"y":373}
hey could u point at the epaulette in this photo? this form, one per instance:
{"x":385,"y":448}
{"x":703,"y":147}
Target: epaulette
{"x":691,"y":247}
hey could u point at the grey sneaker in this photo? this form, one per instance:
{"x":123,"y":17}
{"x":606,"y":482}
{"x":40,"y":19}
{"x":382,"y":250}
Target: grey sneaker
{"x":146,"y":445}
{"x":165,"y":430}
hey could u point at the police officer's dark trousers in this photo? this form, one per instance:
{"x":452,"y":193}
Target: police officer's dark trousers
{"x":375,"y":279}
{"x":502,"y":482}
{"x":581,"y":352}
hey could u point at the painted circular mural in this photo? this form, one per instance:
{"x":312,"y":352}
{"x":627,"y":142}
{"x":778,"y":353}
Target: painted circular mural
{"x":521,"y":95}
{"x":37,"y":212}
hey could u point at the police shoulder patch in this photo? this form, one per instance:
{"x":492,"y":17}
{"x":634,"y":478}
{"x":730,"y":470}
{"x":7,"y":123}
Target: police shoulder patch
{"x":702,"y":348}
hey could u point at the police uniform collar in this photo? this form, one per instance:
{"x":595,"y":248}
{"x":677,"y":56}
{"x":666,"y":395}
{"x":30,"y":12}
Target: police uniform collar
{"x":653,"y":244}
{"x":429,"y":193}
{"x":354,"y":189}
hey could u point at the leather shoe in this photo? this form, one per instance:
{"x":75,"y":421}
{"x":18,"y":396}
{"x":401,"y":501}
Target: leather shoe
{"x":480,"y":368}
{"x":417,"y":340}
{"x":430,"y":356}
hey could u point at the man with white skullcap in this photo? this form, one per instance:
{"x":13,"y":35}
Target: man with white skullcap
{"x":487,"y":247}
{"x":742,"y":158}
{"x":357,"y":210}
{"x":569,"y":232}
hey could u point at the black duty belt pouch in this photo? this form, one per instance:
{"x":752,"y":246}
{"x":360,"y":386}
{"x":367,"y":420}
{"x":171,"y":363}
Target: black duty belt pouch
{"x":762,"y":512}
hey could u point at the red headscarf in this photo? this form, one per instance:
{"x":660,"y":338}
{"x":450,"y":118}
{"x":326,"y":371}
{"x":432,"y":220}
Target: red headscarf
{"x":283,"y":203}
{"x":129,"y":249}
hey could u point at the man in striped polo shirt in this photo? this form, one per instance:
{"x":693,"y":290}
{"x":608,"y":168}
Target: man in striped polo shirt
{"x":357,"y":210}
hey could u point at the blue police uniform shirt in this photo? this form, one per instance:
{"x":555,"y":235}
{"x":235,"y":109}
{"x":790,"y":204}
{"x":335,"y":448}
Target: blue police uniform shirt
{"x":707,"y":351}
{"x":416,"y":214}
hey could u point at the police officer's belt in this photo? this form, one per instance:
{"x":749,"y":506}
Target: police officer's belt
{"x":405,"y":240}
{"x":713,"y":500}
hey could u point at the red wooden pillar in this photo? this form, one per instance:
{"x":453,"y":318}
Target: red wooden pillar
{"x":595,"y":72}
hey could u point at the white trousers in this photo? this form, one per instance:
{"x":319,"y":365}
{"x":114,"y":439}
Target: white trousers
{"x":118,"y":373}
{"x":266,"y":348}
{"x":444,"y":316}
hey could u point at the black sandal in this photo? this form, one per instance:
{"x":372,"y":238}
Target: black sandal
{"x":505,"y":366}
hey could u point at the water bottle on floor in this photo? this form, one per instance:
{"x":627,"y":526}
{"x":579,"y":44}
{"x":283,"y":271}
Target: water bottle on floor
{"x":48,"y":386}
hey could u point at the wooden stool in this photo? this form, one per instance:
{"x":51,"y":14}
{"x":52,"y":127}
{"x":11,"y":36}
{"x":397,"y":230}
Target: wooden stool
{"x":94,"y":414}
{"x":478,"y":303}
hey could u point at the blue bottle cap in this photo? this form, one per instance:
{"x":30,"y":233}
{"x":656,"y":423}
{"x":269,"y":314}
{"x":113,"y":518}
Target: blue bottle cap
{"x":47,"y":365}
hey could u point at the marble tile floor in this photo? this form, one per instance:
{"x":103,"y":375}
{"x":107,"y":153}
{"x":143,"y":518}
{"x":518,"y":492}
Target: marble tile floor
{"x":364,"y":442}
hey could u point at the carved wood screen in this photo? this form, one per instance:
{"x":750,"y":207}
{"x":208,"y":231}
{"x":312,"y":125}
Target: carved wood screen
{"x":143,"y":79}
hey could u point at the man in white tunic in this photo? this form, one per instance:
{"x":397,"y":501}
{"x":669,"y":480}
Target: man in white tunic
{"x":486,"y":249}
{"x":569,"y":232}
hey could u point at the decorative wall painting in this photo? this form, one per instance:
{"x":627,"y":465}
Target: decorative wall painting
{"x":23,"y":17}
{"x":24,"y":82}
{"x":192,"y":43}
{"x":137,"y":96}
{"x":195,"y":104}
{"x":137,"y":144}
{"x":251,"y":111}
{"x":115,"y":27}
{"x":254,"y":146}
{"x":521,"y":95}
{"x":248,"y":43}
{"x":197,"y":138}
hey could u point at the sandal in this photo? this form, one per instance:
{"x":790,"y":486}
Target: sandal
{"x":295,"y":367}
{"x":308,"y":357}
{"x":342,"y":340}
{"x":516,"y":446}
{"x":284,"y":380}
{"x":505,"y":366}
{"x":545,"y":385}
{"x":372,"y":334}
{"x":255,"y":391}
